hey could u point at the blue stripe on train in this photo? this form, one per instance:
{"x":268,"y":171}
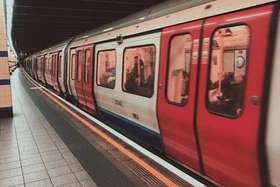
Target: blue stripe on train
{"x":138,"y":131}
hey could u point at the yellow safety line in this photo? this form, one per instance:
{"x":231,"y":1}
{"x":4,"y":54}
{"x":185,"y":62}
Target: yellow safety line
{"x":114,"y":143}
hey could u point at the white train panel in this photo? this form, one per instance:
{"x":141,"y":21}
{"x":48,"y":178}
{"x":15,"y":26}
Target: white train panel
{"x":133,"y":106}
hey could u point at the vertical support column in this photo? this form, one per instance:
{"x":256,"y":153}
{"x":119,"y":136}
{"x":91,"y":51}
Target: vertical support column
{"x":6,"y":108}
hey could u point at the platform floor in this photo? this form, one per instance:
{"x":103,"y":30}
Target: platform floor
{"x":31,"y":152}
{"x":43,"y":144}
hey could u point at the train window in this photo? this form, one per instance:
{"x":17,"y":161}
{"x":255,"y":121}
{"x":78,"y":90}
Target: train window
{"x":139,"y":70}
{"x":46,"y":65}
{"x":106,"y":68}
{"x":73,"y":66}
{"x":54,"y":64}
{"x":41,"y":64}
{"x":38,"y":64}
{"x":79,"y":65}
{"x":50,"y":65}
{"x":87,"y":67}
{"x":179,"y":69}
{"x":228,"y":70}
{"x":59,"y":65}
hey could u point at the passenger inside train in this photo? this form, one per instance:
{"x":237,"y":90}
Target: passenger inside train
{"x":226,"y":94}
{"x":139,"y":78}
{"x":112,"y":79}
{"x":107,"y":69}
{"x":185,"y":87}
{"x":227,"y":71}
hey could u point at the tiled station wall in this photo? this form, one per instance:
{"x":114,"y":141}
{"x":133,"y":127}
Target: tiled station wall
{"x":5,"y":83}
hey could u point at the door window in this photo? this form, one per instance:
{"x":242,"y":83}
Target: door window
{"x":139,"y":70}
{"x":73,"y":66}
{"x":80,"y":65}
{"x":59,"y":65}
{"x":50,"y":65}
{"x":228,"y":70}
{"x":87,"y":67}
{"x":106,"y":68}
{"x":39,"y":64}
{"x":54,"y":64}
{"x":46,"y":65}
{"x":179,"y":69}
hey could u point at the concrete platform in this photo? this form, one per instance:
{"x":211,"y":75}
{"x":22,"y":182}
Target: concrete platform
{"x":31,"y":152}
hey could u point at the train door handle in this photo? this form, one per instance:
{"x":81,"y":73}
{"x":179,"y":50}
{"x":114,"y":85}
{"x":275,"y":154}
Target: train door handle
{"x":160,"y":86}
{"x":255,"y":100}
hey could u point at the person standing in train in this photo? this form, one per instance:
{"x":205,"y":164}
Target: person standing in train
{"x":238,"y":94}
{"x":185,"y":87}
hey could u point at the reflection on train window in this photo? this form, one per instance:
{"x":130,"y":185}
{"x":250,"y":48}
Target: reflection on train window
{"x":79,"y":65}
{"x":73,"y":66}
{"x":106,"y":68}
{"x":179,"y":69}
{"x":225,"y":95}
{"x":87,"y":67}
{"x":139,"y":70}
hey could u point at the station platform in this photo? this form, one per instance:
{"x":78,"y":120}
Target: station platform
{"x":47,"y":144}
{"x":31,"y":152}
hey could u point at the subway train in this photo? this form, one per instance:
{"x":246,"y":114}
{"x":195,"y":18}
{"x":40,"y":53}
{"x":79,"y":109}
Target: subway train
{"x":197,"y":80}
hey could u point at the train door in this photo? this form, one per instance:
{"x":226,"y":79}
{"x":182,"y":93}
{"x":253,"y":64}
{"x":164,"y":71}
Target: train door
{"x":42,"y":69}
{"x":45,"y":60}
{"x":72,"y":76}
{"x":88,"y":79}
{"x":80,"y":56}
{"x":106,"y":89}
{"x":230,"y":95}
{"x":176,"y":94}
{"x":34,"y":67}
{"x":38,"y":69}
{"x":61,"y":73}
{"x":55,"y":73}
{"x":49,"y":63}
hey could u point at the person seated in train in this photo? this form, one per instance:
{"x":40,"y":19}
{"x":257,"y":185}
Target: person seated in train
{"x":147,"y":87}
{"x":185,"y":92}
{"x":140,"y":64}
{"x":131,"y":83}
{"x":232,"y":104}
{"x":218,"y":95}
{"x":111,"y":79}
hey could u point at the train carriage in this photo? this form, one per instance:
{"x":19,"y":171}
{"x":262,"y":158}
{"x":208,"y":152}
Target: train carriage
{"x":80,"y":74}
{"x":53,"y":68}
{"x":197,"y":80}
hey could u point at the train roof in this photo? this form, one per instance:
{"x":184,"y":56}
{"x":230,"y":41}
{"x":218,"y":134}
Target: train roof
{"x":159,"y":10}
{"x":199,"y":9}
{"x":159,"y":16}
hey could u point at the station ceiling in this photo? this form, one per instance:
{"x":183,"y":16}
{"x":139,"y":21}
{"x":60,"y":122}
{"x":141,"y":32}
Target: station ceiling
{"x":38,"y":24}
